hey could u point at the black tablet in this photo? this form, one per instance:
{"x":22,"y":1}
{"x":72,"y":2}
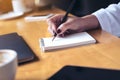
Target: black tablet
{"x":85,"y":73}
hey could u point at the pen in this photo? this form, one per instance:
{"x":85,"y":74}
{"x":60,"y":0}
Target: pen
{"x":66,"y":15}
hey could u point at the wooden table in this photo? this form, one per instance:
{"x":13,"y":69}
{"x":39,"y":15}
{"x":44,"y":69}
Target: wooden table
{"x":104,"y":54}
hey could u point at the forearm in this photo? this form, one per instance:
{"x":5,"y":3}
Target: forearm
{"x":90,"y":22}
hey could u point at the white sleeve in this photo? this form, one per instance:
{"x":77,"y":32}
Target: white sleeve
{"x":109,"y":18}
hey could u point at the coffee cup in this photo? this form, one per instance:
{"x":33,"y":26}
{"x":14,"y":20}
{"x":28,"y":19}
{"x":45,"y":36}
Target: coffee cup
{"x":22,"y":5}
{"x":8,"y":64}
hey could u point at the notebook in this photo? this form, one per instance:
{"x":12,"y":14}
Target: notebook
{"x":37,"y":17}
{"x":72,"y":40}
{"x":15,"y":42}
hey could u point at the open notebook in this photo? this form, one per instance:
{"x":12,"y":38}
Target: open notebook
{"x":76,"y":39}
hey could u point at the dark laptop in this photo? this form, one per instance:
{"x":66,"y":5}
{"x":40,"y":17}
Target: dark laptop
{"x":15,"y":42}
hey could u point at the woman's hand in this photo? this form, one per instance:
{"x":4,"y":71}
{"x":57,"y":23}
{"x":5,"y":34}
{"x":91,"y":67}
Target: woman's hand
{"x":73,"y":24}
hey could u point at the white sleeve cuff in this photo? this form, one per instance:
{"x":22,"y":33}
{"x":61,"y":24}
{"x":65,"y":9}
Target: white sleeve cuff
{"x":109,"y":20}
{"x":102,"y":17}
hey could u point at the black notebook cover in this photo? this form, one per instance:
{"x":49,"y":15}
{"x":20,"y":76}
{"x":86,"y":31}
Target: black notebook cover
{"x":15,"y":42}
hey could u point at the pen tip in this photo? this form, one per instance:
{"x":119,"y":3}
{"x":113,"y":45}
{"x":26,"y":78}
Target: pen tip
{"x":54,"y":37}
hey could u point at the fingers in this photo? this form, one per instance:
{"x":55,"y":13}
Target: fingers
{"x":72,"y":23}
{"x":52,"y":27}
{"x":63,"y":28}
{"x":53,"y":23}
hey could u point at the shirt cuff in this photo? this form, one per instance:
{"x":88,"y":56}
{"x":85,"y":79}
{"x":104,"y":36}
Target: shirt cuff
{"x":102,"y":17}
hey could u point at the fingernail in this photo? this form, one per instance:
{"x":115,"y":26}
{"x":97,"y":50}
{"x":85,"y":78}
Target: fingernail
{"x":58,"y":31}
{"x":61,"y":35}
{"x":54,"y":34}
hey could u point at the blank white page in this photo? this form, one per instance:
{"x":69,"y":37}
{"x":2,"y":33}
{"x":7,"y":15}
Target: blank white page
{"x":68,"y":41}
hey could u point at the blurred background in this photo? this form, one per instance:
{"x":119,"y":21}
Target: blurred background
{"x":81,"y":8}
{"x":84,"y":7}
{"x":5,"y":6}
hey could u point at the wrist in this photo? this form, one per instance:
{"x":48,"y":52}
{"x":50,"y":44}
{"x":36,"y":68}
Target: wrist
{"x":90,"y":22}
